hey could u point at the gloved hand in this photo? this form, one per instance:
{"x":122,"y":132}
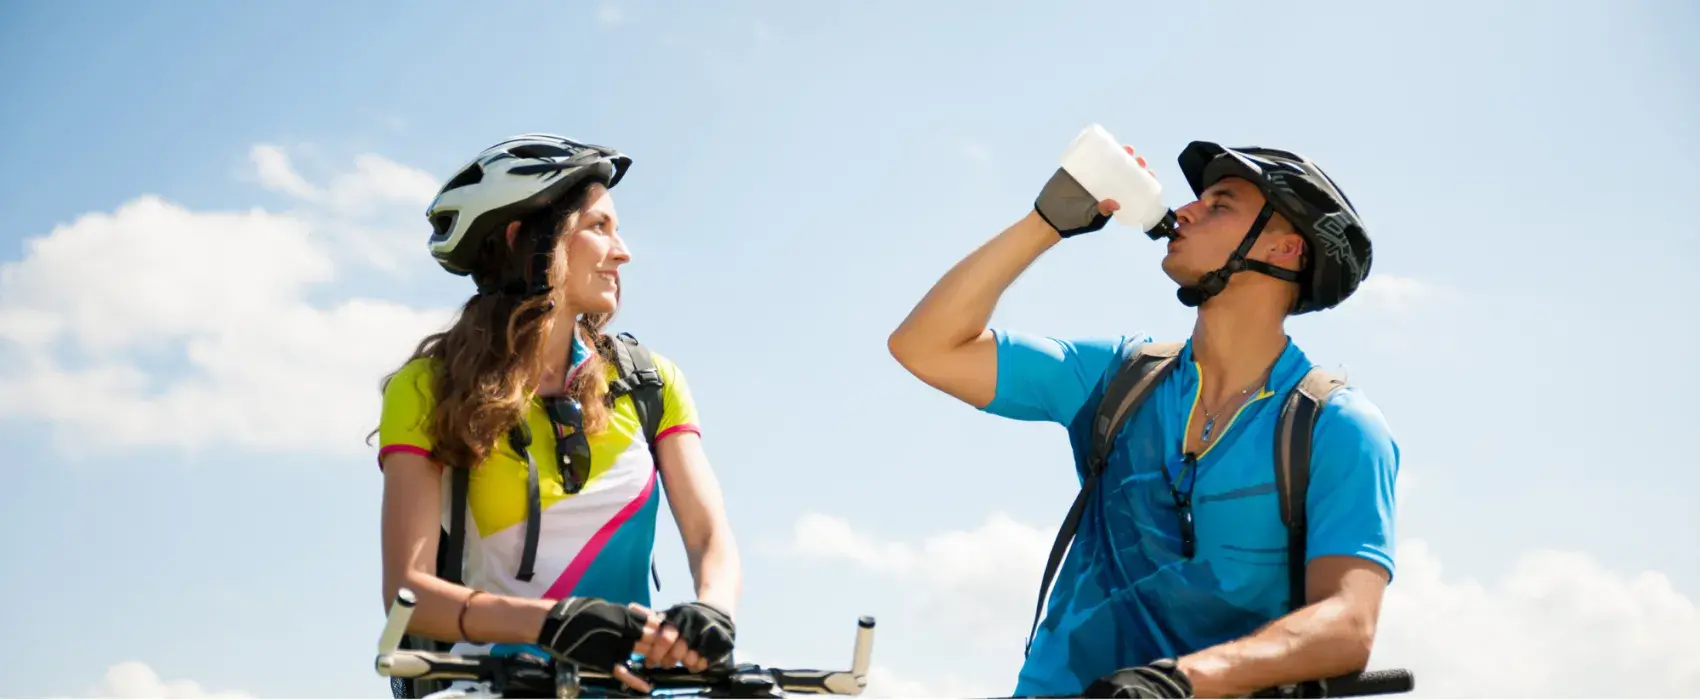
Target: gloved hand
{"x":1158,"y":679}
{"x":707,"y":630}
{"x":592,"y":632}
{"x":1068,"y":207}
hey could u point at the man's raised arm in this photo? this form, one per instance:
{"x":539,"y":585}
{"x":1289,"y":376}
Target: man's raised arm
{"x":944,"y":340}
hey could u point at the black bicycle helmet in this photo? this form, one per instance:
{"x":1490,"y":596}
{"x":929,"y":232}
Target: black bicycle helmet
{"x":1338,"y":246}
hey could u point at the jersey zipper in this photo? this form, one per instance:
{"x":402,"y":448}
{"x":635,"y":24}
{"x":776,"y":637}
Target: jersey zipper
{"x":1186,"y":433}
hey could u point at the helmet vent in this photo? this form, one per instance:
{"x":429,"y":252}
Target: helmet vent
{"x":470,"y":176}
{"x":540,"y":150}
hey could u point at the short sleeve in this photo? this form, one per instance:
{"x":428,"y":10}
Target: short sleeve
{"x":408,"y":399}
{"x":1042,"y":378}
{"x":1354,"y":464}
{"x":679,"y":412}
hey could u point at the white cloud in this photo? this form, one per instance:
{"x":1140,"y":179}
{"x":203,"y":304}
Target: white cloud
{"x":883,"y":683}
{"x":134,"y":679}
{"x":1558,"y":625}
{"x":1396,"y":294}
{"x":968,"y":580}
{"x":272,"y":165}
{"x":375,"y":182}
{"x":373,"y":215}
{"x":609,"y":14}
{"x":158,"y":325}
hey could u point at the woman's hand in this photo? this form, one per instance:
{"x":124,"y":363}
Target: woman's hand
{"x":706,"y":629}
{"x":666,"y":647}
{"x":601,"y":635}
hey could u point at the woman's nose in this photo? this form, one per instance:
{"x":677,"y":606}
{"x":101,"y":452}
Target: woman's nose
{"x":620,"y":252}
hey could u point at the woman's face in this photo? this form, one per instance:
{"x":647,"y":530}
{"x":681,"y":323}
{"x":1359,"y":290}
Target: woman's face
{"x":594,"y":252}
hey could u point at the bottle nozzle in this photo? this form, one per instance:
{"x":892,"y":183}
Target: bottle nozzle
{"x":1165,"y":227}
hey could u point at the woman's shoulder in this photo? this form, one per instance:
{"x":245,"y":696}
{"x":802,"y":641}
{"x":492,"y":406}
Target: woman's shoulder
{"x":408,"y":402}
{"x":674,"y":388}
{"x":413,"y":381}
{"x":662,"y":362}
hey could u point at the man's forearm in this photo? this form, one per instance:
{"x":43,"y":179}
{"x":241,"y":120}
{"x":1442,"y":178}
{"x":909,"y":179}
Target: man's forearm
{"x":958,"y":307}
{"x":1325,"y":639}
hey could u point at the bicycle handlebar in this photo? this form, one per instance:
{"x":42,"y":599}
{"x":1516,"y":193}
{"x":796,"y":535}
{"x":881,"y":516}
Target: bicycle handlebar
{"x":525,"y":675}
{"x":1390,"y":681}
{"x":533,"y":676}
{"x":1384,"y":682}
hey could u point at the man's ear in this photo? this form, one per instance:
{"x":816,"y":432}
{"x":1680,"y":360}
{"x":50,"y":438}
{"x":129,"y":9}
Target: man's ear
{"x":1289,"y":248}
{"x":513,"y":230}
{"x":1284,"y":247}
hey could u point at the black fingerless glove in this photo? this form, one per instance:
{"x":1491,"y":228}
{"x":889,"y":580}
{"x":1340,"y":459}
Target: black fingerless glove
{"x":1158,"y":679}
{"x":707,"y":630}
{"x":591,"y":632}
{"x":1068,"y":207}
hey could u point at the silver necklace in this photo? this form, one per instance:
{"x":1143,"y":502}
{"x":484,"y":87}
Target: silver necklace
{"x":1210,"y":416}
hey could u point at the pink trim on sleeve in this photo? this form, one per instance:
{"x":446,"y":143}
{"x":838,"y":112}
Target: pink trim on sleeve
{"x":399,"y":447}
{"x":680,"y":428}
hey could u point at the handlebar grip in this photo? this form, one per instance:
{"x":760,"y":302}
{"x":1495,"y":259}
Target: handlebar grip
{"x":820,"y":682}
{"x":430,"y":665}
{"x":395,"y":625}
{"x":1384,"y":682}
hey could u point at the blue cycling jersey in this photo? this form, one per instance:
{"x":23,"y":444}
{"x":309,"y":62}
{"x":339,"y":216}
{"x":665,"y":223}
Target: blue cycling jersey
{"x":1124,"y":596}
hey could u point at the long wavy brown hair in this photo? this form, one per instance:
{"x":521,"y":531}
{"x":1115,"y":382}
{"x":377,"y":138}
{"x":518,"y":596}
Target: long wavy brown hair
{"x":488,"y":364}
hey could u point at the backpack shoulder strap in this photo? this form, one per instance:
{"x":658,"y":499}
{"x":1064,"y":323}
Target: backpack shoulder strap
{"x":451,"y":554}
{"x":1126,"y":391}
{"x":1133,"y":381}
{"x":1293,"y":433}
{"x":639,"y":378}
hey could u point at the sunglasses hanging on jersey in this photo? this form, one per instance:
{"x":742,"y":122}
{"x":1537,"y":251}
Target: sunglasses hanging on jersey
{"x":572,"y":459}
{"x":572,"y":448}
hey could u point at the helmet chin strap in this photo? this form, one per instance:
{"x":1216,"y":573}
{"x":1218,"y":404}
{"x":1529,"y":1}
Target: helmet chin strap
{"x":1214,"y":281}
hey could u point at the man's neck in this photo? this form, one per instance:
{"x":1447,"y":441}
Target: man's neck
{"x":1235,"y":341}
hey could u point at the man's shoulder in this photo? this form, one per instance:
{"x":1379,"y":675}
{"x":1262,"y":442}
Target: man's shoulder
{"x":1087,"y":355}
{"x":1350,"y":421}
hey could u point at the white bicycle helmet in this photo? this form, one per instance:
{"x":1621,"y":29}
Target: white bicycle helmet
{"x":508,"y":181}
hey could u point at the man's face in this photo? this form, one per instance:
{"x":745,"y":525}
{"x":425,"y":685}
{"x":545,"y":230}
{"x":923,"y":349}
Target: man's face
{"x":1212,"y":227}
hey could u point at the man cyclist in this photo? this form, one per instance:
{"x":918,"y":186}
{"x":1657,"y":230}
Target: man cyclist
{"x":1177,"y":583}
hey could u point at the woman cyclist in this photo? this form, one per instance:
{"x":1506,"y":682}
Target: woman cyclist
{"x":560,"y":479}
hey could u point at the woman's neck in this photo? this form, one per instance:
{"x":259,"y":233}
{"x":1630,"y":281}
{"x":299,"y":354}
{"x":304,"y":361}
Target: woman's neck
{"x":558,"y":351}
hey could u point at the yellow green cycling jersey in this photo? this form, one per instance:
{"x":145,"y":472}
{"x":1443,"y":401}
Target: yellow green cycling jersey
{"x":596,"y":542}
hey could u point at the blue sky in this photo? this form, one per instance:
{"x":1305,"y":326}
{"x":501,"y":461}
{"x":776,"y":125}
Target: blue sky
{"x":213,"y":207}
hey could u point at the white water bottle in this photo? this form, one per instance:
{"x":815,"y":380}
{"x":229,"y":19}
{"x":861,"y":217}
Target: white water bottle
{"x":1099,"y":163}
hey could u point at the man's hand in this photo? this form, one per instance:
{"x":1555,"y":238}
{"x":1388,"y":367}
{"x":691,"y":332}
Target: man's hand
{"x":1069,"y":208}
{"x":1158,"y":679}
{"x":1066,"y":205}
